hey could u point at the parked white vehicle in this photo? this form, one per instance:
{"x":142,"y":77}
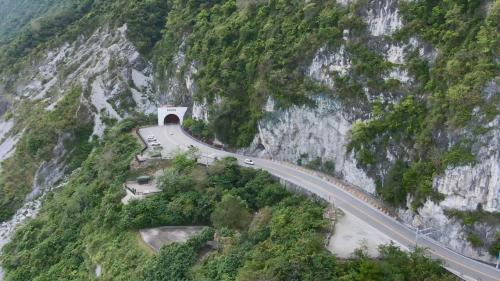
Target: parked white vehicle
{"x":248,"y":161}
{"x":155,"y":144}
{"x":151,"y":138}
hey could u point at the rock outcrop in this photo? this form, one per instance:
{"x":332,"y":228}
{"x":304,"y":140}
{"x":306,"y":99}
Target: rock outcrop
{"x":115,"y":80}
{"x":302,"y":134}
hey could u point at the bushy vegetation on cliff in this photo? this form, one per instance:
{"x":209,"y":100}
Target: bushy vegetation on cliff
{"x":248,"y":51}
{"x":450,"y":96}
{"x":18,"y":14}
{"x":44,"y":131}
{"x":245,"y":52}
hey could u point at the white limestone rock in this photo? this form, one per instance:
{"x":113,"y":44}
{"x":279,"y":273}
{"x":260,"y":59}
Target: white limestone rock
{"x":383,"y":17}
{"x":448,"y":231}
{"x":106,"y":63}
{"x":319,"y":131}
{"x":326,"y":63}
{"x":467,"y":186}
{"x":7,"y":141}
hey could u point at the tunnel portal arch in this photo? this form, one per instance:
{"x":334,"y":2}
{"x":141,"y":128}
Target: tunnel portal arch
{"x":171,"y":119}
{"x":170,"y":115}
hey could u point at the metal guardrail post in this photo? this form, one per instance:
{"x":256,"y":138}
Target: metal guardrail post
{"x":498,"y":261}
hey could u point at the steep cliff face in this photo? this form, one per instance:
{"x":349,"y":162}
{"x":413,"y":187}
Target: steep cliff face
{"x":115,"y":78}
{"x":322,"y":131}
{"x":177,"y":83}
{"x":305,"y":134}
{"x":366,"y":66}
{"x":116,"y":81}
{"x":466,"y":188}
{"x":301,"y":134}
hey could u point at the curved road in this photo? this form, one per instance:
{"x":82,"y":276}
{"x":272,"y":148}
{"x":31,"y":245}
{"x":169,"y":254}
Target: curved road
{"x":172,"y":136}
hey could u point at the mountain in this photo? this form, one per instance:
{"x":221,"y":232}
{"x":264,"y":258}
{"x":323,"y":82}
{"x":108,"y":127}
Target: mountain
{"x":397,"y":98}
{"x":18,"y":15}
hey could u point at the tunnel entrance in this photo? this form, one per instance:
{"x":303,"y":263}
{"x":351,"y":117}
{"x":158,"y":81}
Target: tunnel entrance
{"x":171,"y":119}
{"x":168,"y":114}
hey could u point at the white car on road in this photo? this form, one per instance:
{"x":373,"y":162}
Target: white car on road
{"x":249,"y":161}
{"x":155,"y":144}
{"x":151,"y":138}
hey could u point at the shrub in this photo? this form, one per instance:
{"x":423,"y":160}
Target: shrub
{"x":475,"y":240}
{"x":231,"y":212}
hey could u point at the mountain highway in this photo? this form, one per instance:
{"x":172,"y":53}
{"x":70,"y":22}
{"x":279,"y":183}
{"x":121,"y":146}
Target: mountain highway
{"x":172,"y":137}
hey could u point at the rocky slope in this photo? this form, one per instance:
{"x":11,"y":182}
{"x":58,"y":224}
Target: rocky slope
{"x":116,"y":82}
{"x":306,"y":134}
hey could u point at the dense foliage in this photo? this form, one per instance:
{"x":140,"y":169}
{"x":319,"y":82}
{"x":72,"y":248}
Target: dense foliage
{"x":450,"y":96}
{"x":262,"y":230}
{"x":281,"y":239}
{"x":17,"y":14}
{"x":45,"y":130}
{"x":174,"y":262}
{"x":199,"y":129}
{"x":77,"y":226}
{"x":247,"y":51}
{"x":145,"y":20}
{"x":43,"y":30}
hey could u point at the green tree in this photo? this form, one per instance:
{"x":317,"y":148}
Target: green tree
{"x":231,"y":212}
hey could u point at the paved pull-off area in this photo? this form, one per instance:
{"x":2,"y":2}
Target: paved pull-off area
{"x":172,"y":138}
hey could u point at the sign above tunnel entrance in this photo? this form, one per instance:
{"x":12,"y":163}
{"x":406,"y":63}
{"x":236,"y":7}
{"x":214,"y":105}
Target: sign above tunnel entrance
{"x":170,"y":115}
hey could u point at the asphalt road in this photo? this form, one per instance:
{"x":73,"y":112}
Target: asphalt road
{"x":172,"y":137}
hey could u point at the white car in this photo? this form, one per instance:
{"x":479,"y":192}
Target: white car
{"x":249,"y":161}
{"x":171,"y":133}
{"x":155,"y":143}
{"x":151,"y":138}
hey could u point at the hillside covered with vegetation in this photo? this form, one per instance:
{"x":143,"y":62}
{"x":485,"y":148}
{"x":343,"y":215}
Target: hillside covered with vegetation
{"x":263,"y":231}
{"x":246,"y":52}
{"x":16,"y":15}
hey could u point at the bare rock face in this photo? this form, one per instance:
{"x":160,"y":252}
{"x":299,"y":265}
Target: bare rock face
{"x":467,"y":187}
{"x":325,"y":62}
{"x":178,"y":85}
{"x":383,"y":17}
{"x":307,"y":133}
{"x":450,"y":231}
{"x":115,"y":78}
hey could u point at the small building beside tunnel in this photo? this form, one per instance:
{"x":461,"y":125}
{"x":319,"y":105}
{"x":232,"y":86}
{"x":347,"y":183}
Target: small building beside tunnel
{"x":168,"y":114}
